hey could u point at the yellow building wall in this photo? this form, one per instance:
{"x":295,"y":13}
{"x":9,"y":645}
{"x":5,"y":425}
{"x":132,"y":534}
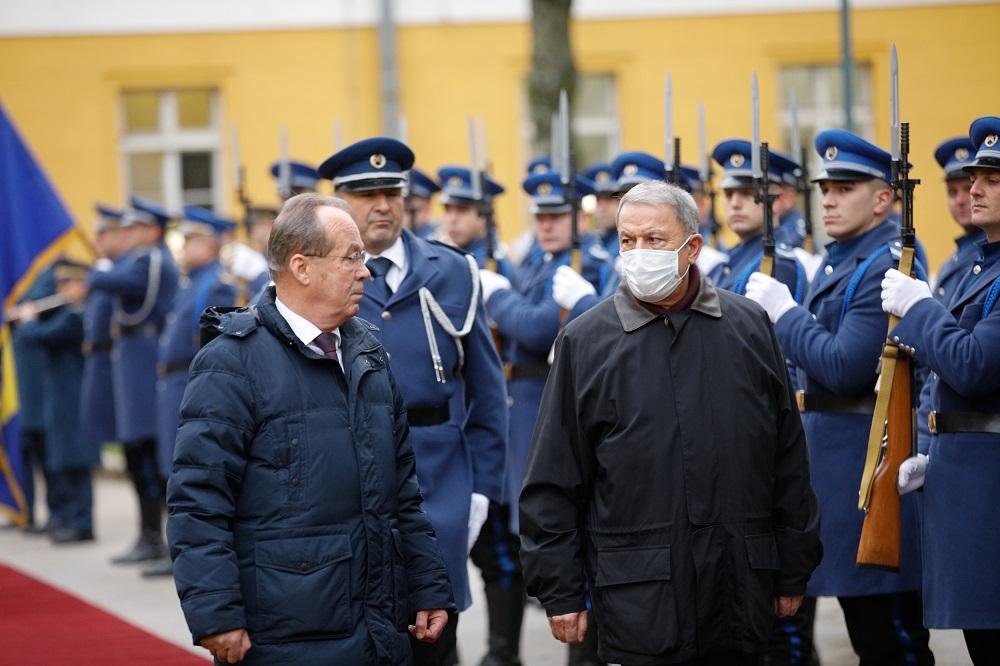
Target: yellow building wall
{"x":63,"y":91}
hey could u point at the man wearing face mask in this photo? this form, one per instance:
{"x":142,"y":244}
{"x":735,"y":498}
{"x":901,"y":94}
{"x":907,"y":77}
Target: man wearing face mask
{"x":668,"y":472}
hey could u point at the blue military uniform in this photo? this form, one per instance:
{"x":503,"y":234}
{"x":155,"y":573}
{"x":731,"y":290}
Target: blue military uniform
{"x":745,"y":258}
{"x":603,"y":178}
{"x":143,"y":284}
{"x":97,"y":405}
{"x":29,"y":363}
{"x":434,"y":328}
{"x":834,"y":340}
{"x":205,"y":286}
{"x":421,"y":185}
{"x":960,"y":342}
{"x":456,"y":188}
{"x":67,"y":459}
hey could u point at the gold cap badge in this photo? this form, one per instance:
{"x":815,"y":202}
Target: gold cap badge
{"x":377,"y":160}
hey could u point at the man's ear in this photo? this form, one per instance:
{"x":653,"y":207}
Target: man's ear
{"x":883,"y":200}
{"x":298,"y":269}
{"x":695,"y":244}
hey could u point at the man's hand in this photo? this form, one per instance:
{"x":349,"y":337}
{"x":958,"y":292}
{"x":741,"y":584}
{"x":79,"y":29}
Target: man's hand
{"x":569,"y":628}
{"x":429,"y":625}
{"x":229,"y":647}
{"x":27,"y":312}
{"x":770,"y":294}
{"x":787,"y":606}
{"x":568,"y":287}
{"x":901,"y":292}
{"x":492,"y":283}
{"x":911,"y":473}
{"x":478,"y":508}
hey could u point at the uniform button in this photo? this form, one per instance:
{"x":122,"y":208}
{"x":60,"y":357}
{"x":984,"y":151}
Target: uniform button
{"x":295,"y":440}
{"x":940,"y":291}
{"x":303,"y":566}
{"x":828,"y":269}
{"x":976,"y":269}
{"x":895,"y":339}
{"x":387,"y":315}
{"x":295,"y":481}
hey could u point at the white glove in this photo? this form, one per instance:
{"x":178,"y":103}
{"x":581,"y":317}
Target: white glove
{"x":104,"y":265}
{"x":901,"y":292}
{"x":478,"y":508}
{"x":247,"y":263}
{"x":771,"y":295}
{"x":492,"y":283}
{"x":568,"y":287}
{"x":911,"y":473}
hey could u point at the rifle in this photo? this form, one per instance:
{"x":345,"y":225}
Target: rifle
{"x":567,"y":176}
{"x":705,"y":174}
{"x":760,"y":158}
{"x":891,"y":439}
{"x":41,"y":305}
{"x":284,"y":165}
{"x":239,"y":181}
{"x":802,"y":184}
{"x":484,"y":203}
{"x":671,"y":144}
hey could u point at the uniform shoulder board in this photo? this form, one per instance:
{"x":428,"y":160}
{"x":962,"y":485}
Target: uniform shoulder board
{"x":598,"y":251}
{"x":800,"y":226}
{"x":784,"y":250}
{"x":229,"y":321}
{"x":896,"y":249}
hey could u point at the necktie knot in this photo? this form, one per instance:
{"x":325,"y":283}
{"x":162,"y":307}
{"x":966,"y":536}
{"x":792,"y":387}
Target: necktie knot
{"x":328,"y":342}
{"x":378,"y":266}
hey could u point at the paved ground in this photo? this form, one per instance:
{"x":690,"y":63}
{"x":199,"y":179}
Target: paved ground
{"x":84,"y":570}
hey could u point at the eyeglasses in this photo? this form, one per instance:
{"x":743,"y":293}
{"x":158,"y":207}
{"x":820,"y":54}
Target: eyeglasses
{"x":350,"y":261}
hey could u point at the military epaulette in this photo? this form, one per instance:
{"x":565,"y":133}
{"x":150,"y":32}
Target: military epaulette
{"x":896,"y":249}
{"x":785,"y":250}
{"x":230,"y":321}
{"x":598,"y":251}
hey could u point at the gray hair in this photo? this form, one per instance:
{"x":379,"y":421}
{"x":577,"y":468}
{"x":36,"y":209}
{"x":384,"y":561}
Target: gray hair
{"x":659,"y":193}
{"x":297,"y":230}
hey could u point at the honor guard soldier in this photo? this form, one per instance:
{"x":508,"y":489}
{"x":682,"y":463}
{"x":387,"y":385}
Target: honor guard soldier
{"x":29,"y":362}
{"x":463,"y":222}
{"x":529,"y":320}
{"x":420,"y":190}
{"x":960,"y":342}
{"x":302,"y":177}
{"x":524,"y":249}
{"x":606,"y":208}
{"x":67,"y":462}
{"x":97,"y":406}
{"x":204,"y":285}
{"x":834,"y":341}
{"x":248,"y":262}
{"x":143,"y":284}
{"x":425,"y":298}
{"x":746,"y":219}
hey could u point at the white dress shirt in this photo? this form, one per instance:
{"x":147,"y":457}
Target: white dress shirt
{"x":306,"y":331}
{"x":397,"y":255}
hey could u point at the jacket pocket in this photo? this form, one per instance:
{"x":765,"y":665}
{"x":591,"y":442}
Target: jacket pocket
{"x":764,"y":564}
{"x":401,"y":592}
{"x":634,"y":600}
{"x":303,"y":587}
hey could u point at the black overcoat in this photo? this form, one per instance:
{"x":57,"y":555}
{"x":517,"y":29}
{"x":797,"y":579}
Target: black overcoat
{"x":669,"y":477}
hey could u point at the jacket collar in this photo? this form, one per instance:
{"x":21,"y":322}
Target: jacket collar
{"x":422,"y":257}
{"x":355,"y":333}
{"x":845,"y":257}
{"x":989,"y":261}
{"x":633,"y":315}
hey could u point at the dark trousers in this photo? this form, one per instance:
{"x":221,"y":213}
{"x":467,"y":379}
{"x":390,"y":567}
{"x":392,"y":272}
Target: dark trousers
{"x":497,"y":550}
{"x":983,"y":645}
{"x":792,"y":638}
{"x":887,"y":629}
{"x":73,"y":499}
{"x":140,"y":460}
{"x":721,"y":659}
{"x":443,"y":652}
{"x":33,"y":460}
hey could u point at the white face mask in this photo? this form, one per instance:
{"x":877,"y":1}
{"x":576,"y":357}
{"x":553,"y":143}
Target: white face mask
{"x":651,"y":275}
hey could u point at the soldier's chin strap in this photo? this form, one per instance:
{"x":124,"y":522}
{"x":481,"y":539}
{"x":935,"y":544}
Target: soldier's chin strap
{"x":877,"y":435}
{"x":429,"y":306}
{"x":123,"y":318}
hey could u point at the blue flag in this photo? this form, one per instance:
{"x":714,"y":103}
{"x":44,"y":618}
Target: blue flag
{"x":33,"y":224}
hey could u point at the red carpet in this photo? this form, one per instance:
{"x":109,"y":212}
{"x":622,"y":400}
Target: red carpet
{"x":42,"y":625}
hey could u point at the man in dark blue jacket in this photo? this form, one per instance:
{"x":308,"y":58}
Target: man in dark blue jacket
{"x":296,"y":526}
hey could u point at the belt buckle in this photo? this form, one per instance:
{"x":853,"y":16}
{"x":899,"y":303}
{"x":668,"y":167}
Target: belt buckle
{"x":932,"y":422}
{"x":508,"y":370}
{"x":800,"y":399}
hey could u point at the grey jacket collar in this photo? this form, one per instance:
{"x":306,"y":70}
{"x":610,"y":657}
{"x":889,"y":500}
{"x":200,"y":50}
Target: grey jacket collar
{"x":633,"y":315}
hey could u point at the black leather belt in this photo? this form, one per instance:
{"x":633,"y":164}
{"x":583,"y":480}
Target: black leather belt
{"x":528,"y":371}
{"x":164,"y":369}
{"x":421,"y":417}
{"x":96,"y":347}
{"x":943,"y":422}
{"x":141,"y":329}
{"x":839,"y":404}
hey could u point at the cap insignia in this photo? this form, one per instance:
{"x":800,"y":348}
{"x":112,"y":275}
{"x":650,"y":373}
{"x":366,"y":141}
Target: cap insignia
{"x":630,"y":169}
{"x":737,"y":160}
{"x":831,"y":153}
{"x":603,"y":177}
{"x":455,"y":181}
{"x":990,"y":141}
{"x":962,"y":154}
{"x":377,"y":160}
{"x":544,"y":188}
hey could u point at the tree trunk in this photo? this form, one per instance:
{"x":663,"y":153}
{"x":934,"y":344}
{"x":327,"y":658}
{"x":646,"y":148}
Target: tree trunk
{"x":552,"y":67}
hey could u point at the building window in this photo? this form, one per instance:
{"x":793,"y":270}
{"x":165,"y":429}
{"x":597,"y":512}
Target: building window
{"x":596,"y":129}
{"x":170,"y":146}
{"x":820,"y":93}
